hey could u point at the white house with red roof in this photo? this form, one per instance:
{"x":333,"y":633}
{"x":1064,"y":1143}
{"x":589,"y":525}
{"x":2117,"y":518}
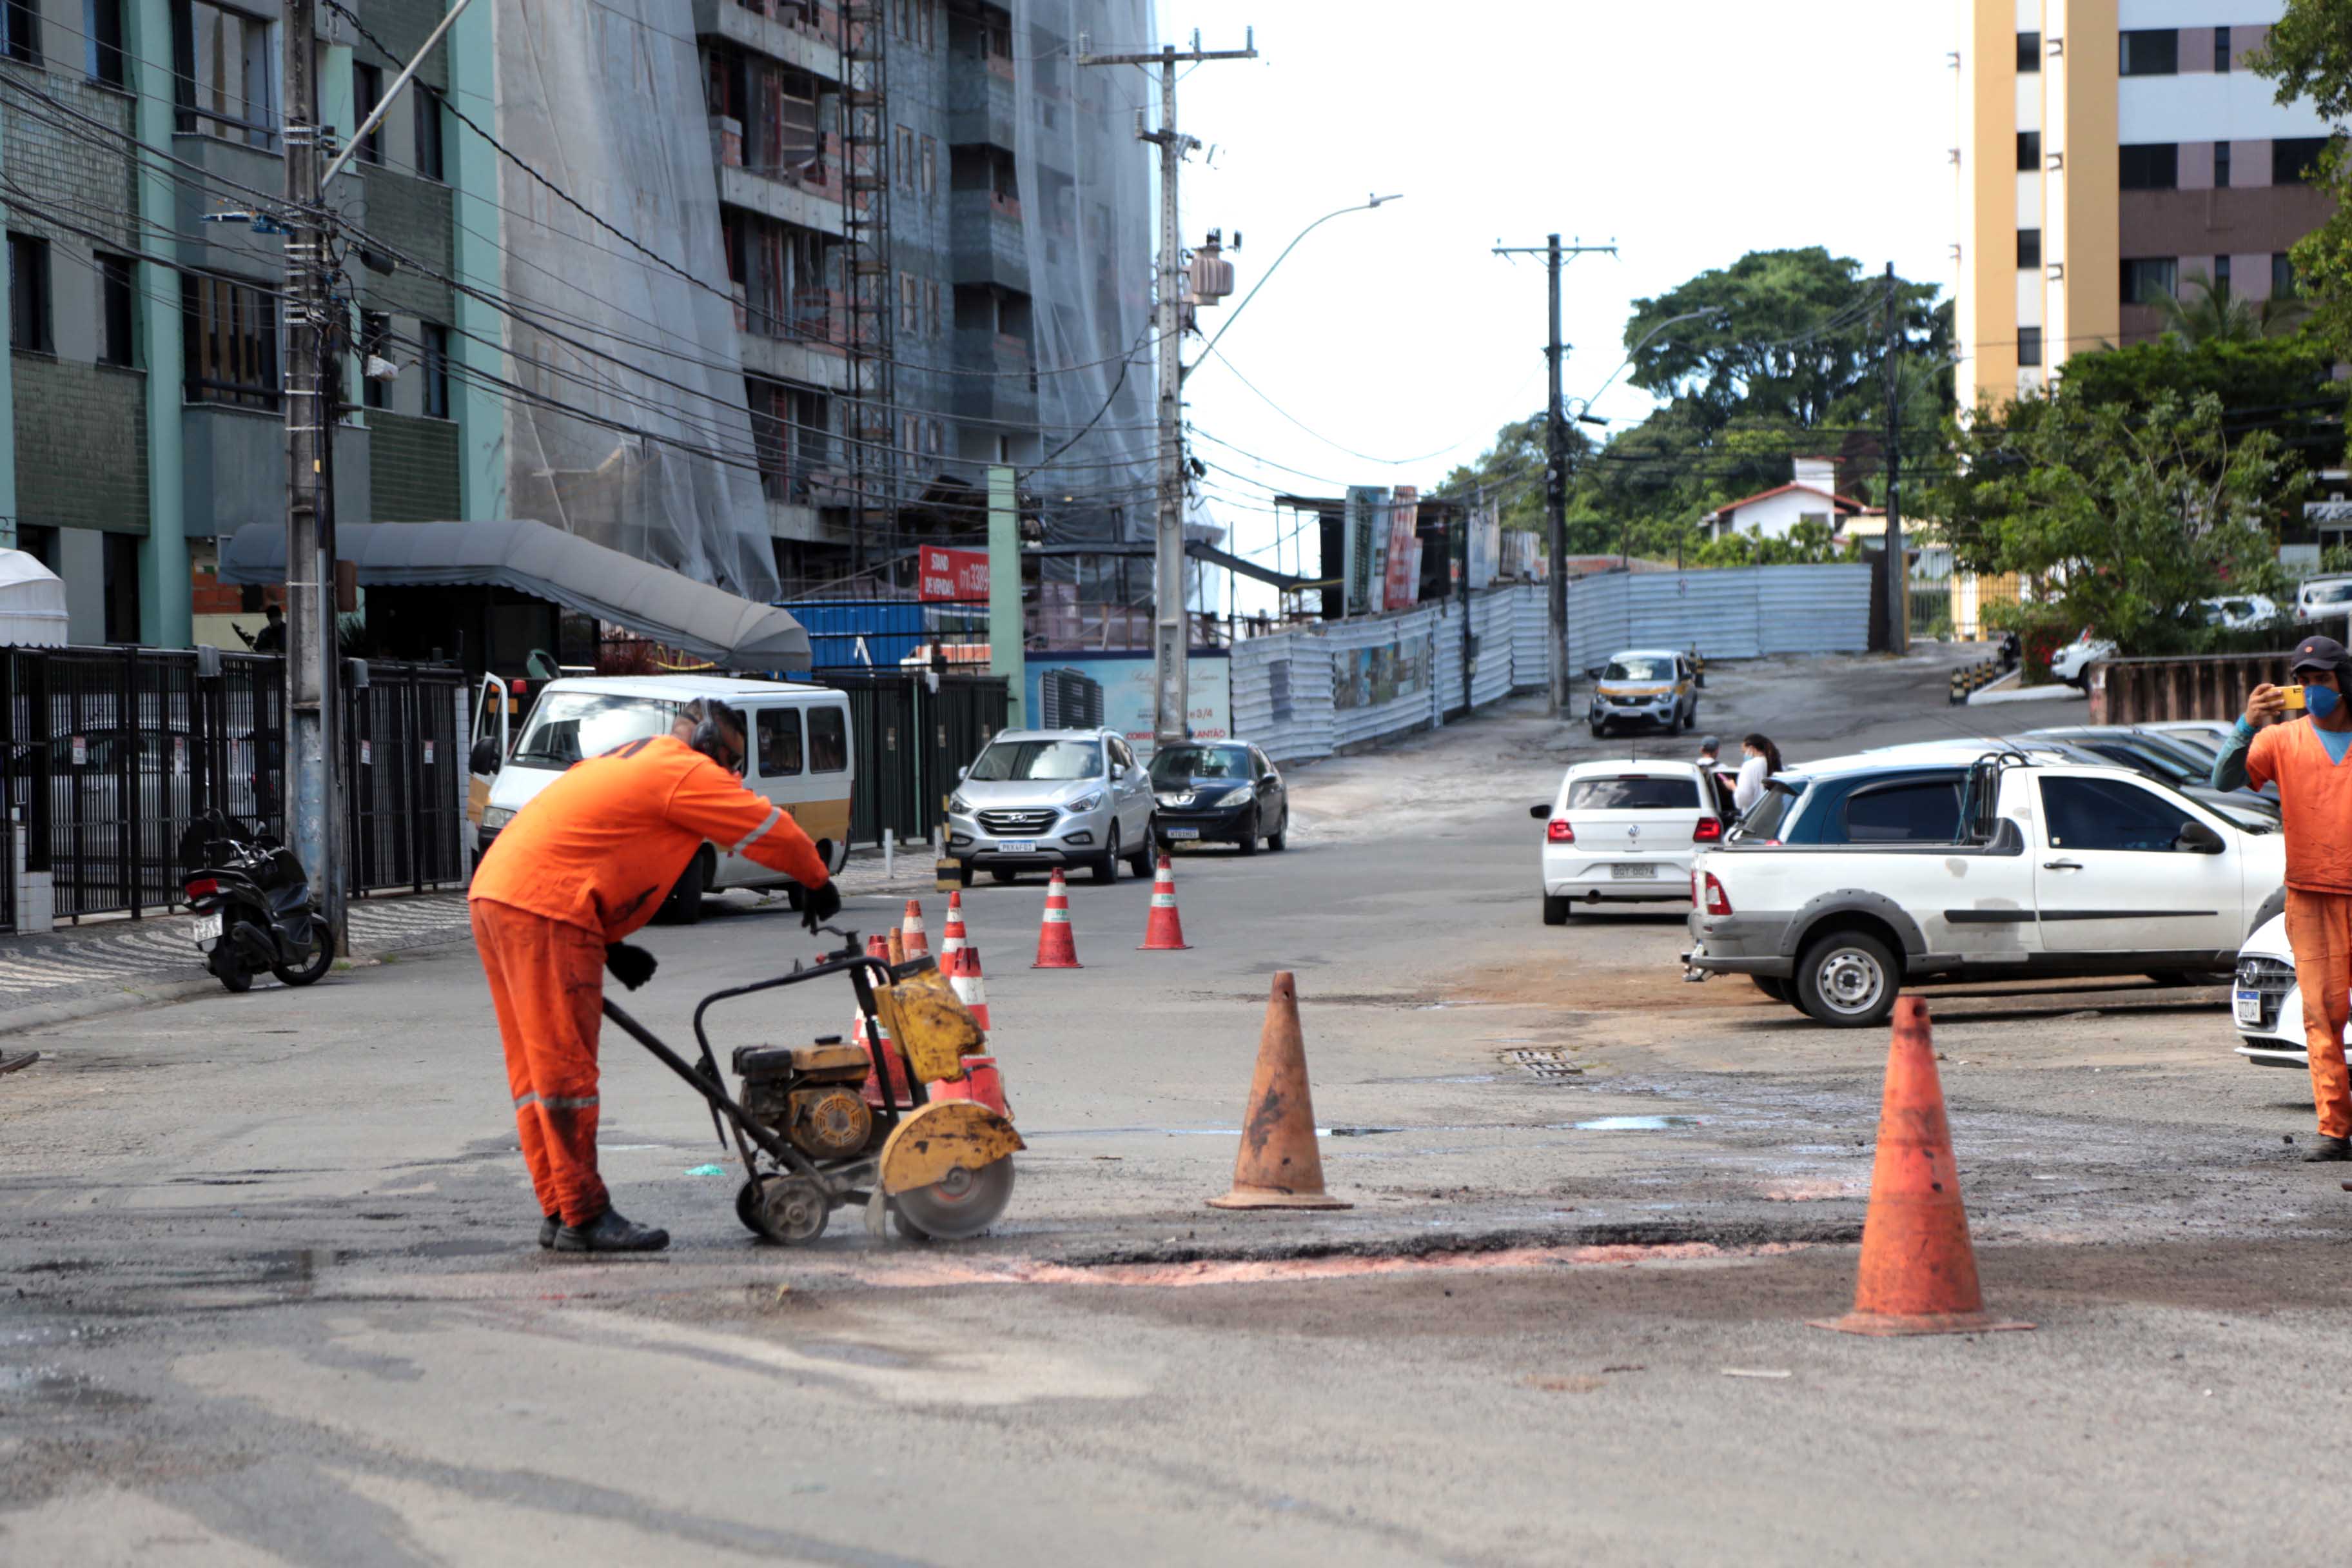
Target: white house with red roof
{"x":1811,"y":495}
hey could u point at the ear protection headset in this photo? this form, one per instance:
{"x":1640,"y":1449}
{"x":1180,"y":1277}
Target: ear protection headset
{"x":711,"y":729}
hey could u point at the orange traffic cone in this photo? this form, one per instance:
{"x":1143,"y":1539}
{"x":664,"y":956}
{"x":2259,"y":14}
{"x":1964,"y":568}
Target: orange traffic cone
{"x":1918,"y":1273}
{"x":1057,"y":945}
{"x":918,"y":941}
{"x":1278,"y":1166}
{"x":1164,"y":930}
{"x":951,"y":935}
{"x":970,"y":986}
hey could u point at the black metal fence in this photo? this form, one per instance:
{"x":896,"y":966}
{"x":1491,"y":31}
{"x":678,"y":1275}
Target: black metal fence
{"x":911,"y":741}
{"x":107,"y":753}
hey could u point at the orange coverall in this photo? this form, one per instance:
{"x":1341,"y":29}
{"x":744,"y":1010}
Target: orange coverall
{"x":588,"y":861}
{"x":2315,"y":812}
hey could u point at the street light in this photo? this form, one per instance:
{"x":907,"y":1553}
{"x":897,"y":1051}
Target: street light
{"x":1365,"y":206}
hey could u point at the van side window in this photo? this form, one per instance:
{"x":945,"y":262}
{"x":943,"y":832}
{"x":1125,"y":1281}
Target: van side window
{"x":828,"y":739}
{"x":779,"y":741}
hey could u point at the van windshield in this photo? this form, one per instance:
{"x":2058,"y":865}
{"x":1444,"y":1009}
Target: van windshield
{"x":1633,"y":667}
{"x":569,"y":725}
{"x":1038,"y":760}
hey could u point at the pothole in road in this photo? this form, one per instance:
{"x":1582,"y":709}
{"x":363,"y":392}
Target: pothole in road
{"x":1636,"y":1123}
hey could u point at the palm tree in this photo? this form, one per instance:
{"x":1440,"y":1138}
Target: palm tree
{"x":2218,"y":316}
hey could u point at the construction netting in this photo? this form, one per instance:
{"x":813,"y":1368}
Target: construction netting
{"x":1085,"y":192}
{"x":627,"y":423}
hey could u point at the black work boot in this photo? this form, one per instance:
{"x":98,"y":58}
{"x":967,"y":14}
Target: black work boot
{"x":608,"y":1232}
{"x":2326,"y":1149}
{"x":547,"y":1225}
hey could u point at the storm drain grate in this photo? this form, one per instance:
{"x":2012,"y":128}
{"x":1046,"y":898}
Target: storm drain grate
{"x":1545,"y":1064}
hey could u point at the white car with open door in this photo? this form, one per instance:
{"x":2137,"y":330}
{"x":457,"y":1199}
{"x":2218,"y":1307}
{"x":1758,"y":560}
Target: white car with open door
{"x":1624,"y":832}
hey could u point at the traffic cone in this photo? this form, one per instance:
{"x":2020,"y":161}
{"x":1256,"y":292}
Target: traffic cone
{"x":894,"y":948}
{"x":1164,"y":930}
{"x":969,"y":985}
{"x":1278,"y":1166}
{"x":1918,"y":1273}
{"x":1057,"y":945}
{"x":951,"y":935}
{"x":911,"y":934}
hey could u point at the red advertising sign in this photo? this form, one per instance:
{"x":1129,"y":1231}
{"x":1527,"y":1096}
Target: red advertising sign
{"x":952,"y":574}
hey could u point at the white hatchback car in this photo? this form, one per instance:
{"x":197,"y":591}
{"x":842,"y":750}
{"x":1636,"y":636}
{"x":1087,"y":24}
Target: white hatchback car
{"x":1623,"y":833}
{"x":2267,"y":1004}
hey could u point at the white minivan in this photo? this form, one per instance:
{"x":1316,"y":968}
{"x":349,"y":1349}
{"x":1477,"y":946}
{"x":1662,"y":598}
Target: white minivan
{"x":798,"y":754}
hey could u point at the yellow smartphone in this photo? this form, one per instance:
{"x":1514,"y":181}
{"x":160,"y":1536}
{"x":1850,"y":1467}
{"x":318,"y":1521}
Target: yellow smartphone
{"x":2293,"y":696}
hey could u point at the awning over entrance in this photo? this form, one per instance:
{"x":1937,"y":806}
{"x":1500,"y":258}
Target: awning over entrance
{"x":515,"y":552}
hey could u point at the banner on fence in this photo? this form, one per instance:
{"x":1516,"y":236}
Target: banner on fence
{"x":1401,"y":567}
{"x":1380,"y":674}
{"x":1114,"y":692}
{"x":1365,"y":520}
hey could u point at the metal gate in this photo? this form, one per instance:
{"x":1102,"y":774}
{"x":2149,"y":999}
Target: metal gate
{"x":401,"y":760}
{"x":911,"y":741}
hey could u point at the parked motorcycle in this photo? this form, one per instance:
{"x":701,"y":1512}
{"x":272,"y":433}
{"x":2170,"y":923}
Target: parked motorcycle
{"x":252,"y":903}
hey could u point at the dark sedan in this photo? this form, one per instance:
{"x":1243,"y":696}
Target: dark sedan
{"x":1219,"y":792}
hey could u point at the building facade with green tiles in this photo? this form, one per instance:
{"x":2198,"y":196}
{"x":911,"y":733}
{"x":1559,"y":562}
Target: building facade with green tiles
{"x":143,"y":422}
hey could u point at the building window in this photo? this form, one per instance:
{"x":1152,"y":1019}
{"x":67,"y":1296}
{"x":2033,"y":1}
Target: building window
{"x":2281,"y":275}
{"x":114,"y":310}
{"x":367,"y":91}
{"x":102,"y":23}
{"x":2222,"y":274}
{"x":426,"y":111}
{"x":2148,"y":276}
{"x":376,"y":342}
{"x":930,"y":165}
{"x":434,"y":361}
{"x":2149,"y":165}
{"x":20,"y":31}
{"x":225,"y":67}
{"x":28,"y":293}
{"x":229,"y":333}
{"x":2221,"y":60}
{"x":2029,"y":345}
{"x":2152,"y":51}
{"x":2028,"y":248}
{"x":2221,"y":166}
{"x":910,"y":320}
{"x":913,"y":19}
{"x":931,"y":306}
{"x":2029,"y":53}
{"x":2029,"y":150}
{"x":902,"y":146}
{"x":121,"y":587}
{"x":2292,"y":156}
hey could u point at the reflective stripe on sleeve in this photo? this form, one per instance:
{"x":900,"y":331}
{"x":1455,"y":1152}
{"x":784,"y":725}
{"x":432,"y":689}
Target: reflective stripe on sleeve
{"x":775,"y":813}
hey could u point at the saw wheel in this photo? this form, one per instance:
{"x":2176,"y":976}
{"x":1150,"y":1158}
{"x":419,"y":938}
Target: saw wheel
{"x":793,"y":1209}
{"x":959,"y":1205}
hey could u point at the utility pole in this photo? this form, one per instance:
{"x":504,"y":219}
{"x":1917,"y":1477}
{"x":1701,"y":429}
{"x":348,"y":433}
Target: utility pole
{"x":1556,"y":464}
{"x":313,"y":759}
{"x":1898,"y":570}
{"x":1171,"y":630}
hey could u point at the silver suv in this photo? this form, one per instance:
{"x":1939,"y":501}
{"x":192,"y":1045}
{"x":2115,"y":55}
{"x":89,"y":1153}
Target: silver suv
{"x":1036,"y":799}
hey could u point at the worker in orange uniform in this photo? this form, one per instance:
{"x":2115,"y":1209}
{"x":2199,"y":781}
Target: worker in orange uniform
{"x":588,"y":861}
{"x":2306,"y":757}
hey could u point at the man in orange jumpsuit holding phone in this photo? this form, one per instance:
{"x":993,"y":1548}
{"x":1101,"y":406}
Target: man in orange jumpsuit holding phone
{"x":588,"y":861}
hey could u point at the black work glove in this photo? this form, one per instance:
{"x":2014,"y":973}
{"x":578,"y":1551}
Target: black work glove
{"x":630,"y":964}
{"x":819,"y":904}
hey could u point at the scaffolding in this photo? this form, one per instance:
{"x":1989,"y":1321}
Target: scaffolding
{"x":871,"y":415}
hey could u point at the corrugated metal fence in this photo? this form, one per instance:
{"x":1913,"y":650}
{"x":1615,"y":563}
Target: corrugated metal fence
{"x":1311,"y":691}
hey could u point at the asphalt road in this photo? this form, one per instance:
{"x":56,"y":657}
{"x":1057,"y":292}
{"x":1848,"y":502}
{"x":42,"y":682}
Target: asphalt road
{"x":270,"y":1295}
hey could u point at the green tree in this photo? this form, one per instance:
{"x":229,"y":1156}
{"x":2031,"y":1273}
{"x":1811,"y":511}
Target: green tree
{"x":2205,"y":311}
{"x":2310,"y":57}
{"x":2125,"y":516}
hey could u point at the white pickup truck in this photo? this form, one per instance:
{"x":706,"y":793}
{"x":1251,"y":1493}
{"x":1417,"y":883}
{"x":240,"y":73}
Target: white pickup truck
{"x":1853,"y":878}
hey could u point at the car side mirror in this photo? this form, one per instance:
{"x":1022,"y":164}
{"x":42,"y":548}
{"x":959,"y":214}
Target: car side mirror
{"x":484,"y":759}
{"x":1539,"y":812}
{"x":963,"y":772}
{"x":2196,"y":838}
{"x":1593,"y":672}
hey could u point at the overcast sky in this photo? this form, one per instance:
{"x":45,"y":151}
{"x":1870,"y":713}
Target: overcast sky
{"x":1688,"y":131}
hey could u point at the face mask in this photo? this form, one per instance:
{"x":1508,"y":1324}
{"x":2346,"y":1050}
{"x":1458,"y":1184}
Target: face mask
{"x":2320,"y":700}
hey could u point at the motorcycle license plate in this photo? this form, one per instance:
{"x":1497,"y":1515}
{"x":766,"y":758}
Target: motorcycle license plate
{"x":1016,"y":847}
{"x":1638,"y":871}
{"x":208,"y":931}
{"x":1182,"y":833}
{"x":2250,"y":1007}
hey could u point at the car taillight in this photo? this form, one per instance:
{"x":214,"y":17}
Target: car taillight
{"x":1718,"y":902}
{"x":1559,"y":832}
{"x":1708,"y":831}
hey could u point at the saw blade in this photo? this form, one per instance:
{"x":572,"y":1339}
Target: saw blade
{"x":963,"y":1205}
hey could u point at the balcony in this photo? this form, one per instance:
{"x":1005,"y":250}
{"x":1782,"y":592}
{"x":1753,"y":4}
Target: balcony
{"x":786,"y":201}
{"x":785,"y":35}
{"x":984,"y":239}
{"x":981,"y":110}
{"x":1007,"y":394}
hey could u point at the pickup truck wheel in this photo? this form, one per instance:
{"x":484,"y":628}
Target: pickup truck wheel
{"x":1847,"y":979}
{"x":1556,"y":909}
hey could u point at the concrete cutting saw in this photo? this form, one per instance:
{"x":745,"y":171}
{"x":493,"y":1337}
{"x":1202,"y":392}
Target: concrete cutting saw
{"x":891,"y":1121}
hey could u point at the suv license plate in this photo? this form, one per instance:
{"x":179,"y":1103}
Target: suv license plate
{"x":2250,"y":1007}
{"x":1180,"y":833}
{"x":207,"y":930}
{"x":1016,"y":847}
{"x":1638,"y":871}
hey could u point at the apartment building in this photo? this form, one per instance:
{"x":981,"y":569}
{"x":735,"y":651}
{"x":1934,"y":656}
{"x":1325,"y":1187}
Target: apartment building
{"x":2108,"y":150}
{"x":143,"y":420}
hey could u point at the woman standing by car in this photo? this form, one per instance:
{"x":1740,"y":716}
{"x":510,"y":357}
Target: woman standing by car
{"x":1762,"y":761}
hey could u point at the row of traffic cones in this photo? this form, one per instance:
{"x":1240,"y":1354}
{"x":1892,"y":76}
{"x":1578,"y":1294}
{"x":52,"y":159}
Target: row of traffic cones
{"x":1163,"y":932}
